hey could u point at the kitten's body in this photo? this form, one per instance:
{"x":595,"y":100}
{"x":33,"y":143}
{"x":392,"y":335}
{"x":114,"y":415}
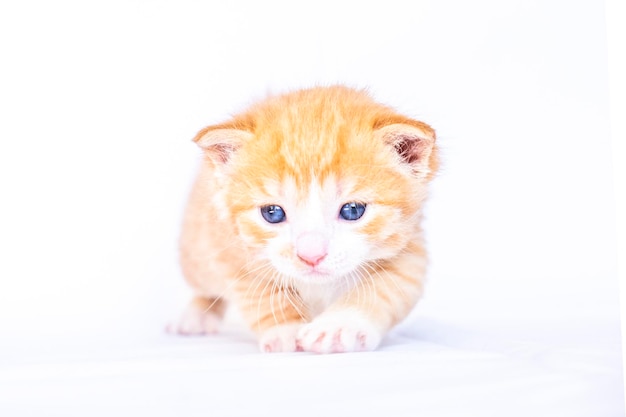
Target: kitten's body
{"x":306,"y":214}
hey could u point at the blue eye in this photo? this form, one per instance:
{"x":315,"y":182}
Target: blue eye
{"x":352,"y":211}
{"x":273,"y":213}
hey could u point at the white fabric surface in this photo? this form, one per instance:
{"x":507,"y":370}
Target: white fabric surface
{"x":426,"y":367}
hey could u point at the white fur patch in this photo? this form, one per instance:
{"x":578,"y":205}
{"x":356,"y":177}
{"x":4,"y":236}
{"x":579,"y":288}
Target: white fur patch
{"x":280,"y":338}
{"x":195,"y":321}
{"x":316,"y":211}
{"x":319,"y":295}
{"x":339,"y":331}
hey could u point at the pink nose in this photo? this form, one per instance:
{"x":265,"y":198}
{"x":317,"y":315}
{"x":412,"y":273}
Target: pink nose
{"x":312,"y":248}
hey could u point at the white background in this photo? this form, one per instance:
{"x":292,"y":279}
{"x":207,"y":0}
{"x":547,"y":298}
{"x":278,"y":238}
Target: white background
{"x":99,"y":101}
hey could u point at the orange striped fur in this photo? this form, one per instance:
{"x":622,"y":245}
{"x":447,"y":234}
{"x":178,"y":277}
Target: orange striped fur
{"x":315,"y":281}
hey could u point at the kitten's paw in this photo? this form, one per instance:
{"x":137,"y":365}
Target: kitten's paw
{"x":281,"y":338}
{"x":339,"y":332}
{"x":195,"y":321}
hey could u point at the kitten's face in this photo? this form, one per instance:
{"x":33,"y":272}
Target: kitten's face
{"x":321,"y":231}
{"x":321,"y":188}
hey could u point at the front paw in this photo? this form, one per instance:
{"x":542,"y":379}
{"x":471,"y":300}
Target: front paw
{"x":281,"y":338}
{"x":195,"y":321}
{"x":336,"y":332}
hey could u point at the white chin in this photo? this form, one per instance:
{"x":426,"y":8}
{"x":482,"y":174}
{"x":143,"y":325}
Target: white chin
{"x":313,"y":276}
{"x":320,"y":276}
{"x":317,"y":275}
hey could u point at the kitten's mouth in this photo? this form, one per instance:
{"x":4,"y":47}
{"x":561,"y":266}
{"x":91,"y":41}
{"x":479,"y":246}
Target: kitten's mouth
{"x":317,"y":273}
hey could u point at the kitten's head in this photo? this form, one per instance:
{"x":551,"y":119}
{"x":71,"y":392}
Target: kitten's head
{"x":323,"y":181}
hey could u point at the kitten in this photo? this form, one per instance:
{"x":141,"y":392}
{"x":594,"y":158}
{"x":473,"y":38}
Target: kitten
{"x":306,"y":215}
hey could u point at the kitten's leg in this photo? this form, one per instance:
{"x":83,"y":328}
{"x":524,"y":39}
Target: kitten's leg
{"x":202,"y":316}
{"x":275,"y":313}
{"x":384,"y":295}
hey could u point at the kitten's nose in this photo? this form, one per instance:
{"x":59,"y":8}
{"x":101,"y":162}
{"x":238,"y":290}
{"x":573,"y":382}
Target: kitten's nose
{"x":311,"y":248}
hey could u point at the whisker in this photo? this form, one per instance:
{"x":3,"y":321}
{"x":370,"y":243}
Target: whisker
{"x":390,"y":276}
{"x":371,"y":287}
{"x":229,"y":287}
{"x":272,"y":293}
{"x":260,"y":299}
{"x":289,"y":293}
{"x":357,"y":280}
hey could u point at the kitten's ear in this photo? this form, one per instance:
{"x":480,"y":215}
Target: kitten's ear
{"x":221,"y":142}
{"x":414,"y":143}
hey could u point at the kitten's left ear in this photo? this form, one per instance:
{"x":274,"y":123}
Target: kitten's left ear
{"x":414,"y":143}
{"x":220,"y":142}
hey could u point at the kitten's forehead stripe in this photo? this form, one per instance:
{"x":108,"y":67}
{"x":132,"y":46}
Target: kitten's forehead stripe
{"x":309,"y":135}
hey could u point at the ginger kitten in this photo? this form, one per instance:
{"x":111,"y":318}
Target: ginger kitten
{"x":306,"y":215}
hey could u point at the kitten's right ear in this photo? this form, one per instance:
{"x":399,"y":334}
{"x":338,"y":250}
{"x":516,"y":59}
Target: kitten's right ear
{"x":221,"y":142}
{"x":414,"y":143}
